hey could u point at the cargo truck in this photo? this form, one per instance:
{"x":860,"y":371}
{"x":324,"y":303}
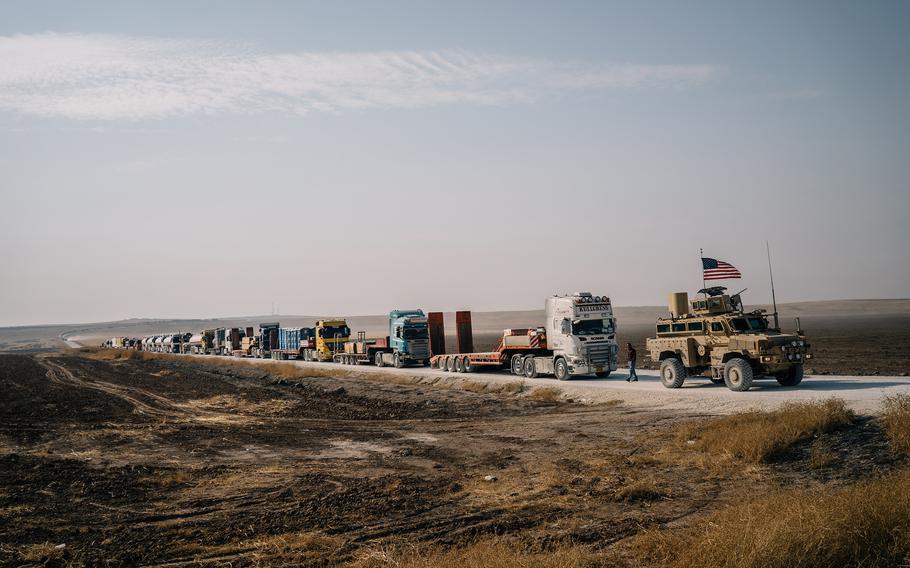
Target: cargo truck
{"x":407,"y":343}
{"x":292,"y":341}
{"x":578,"y":338}
{"x":330,"y":336}
{"x":267,"y":340}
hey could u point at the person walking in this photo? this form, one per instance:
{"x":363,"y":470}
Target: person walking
{"x":633,"y":357}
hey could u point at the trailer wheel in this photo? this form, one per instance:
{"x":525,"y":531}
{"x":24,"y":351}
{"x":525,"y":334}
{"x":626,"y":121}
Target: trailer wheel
{"x":466,"y":363}
{"x":561,"y":369}
{"x":450,"y":364}
{"x":531,"y":368}
{"x":396,"y":360}
{"x":378,"y":360}
{"x":518,"y":365}
{"x":738,"y":375}
{"x":459,"y":365}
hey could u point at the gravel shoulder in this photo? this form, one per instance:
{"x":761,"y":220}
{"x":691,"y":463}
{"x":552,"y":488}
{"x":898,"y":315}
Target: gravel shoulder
{"x":698,"y":395}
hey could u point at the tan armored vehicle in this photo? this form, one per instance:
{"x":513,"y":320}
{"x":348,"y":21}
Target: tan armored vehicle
{"x":717,"y":338}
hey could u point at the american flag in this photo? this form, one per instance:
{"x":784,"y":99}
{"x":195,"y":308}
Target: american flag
{"x":718,"y":270}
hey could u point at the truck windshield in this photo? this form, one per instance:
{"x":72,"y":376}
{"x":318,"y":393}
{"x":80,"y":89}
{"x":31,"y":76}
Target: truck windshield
{"x":332,"y":332}
{"x":415,"y":333}
{"x":592,"y":327}
{"x":749,"y":324}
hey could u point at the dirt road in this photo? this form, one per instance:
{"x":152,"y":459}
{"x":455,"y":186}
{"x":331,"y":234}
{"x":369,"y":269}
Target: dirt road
{"x":698,"y":395}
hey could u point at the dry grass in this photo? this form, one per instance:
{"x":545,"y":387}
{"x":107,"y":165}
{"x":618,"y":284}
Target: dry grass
{"x":758,"y":436}
{"x":645,"y":489}
{"x":298,"y":370}
{"x":866,"y":524}
{"x":295,"y":549}
{"x":43,"y":554}
{"x":820,"y":457}
{"x":896,"y":415}
{"x":483,"y":554}
{"x":546,"y":394}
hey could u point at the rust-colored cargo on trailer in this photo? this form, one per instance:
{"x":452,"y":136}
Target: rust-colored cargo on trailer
{"x":437,"y":330}
{"x":464,"y":333}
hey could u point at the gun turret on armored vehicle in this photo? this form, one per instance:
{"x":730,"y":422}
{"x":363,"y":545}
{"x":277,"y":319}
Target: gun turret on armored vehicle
{"x":718,"y":338}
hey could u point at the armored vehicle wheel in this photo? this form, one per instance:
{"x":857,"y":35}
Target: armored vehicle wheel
{"x":378,"y":360}
{"x":717,"y":381}
{"x":672,"y":373}
{"x":530,"y":368}
{"x":561,"y":369}
{"x":738,"y":375}
{"x":459,"y":365}
{"x":791,"y":377}
{"x":466,"y":364}
{"x":396,"y":360}
{"x":602,"y":374}
{"x":518,"y":365}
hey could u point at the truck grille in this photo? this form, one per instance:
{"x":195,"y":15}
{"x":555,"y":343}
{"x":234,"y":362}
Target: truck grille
{"x":600,"y":354}
{"x":420,"y":349}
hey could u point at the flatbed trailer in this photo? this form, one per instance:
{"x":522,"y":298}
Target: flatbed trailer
{"x":363,"y":351}
{"x":513,"y":347}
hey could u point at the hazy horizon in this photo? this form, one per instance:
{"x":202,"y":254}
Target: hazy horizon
{"x":184,"y":160}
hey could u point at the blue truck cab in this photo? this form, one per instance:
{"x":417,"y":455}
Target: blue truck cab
{"x":409,"y":337}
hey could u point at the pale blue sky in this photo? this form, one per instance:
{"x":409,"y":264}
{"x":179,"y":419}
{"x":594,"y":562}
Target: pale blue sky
{"x":201,"y":159}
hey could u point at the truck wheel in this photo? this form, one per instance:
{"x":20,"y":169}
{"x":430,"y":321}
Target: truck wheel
{"x":561,"y":369}
{"x":518,"y":365}
{"x":396,"y":360}
{"x":466,"y":364}
{"x":791,"y":377}
{"x":450,"y":364}
{"x":672,"y":373}
{"x":602,"y":374}
{"x":459,"y":365}
{"x":530,"y":368}
{"x":738,"y":375}
{"x":378,"y":360}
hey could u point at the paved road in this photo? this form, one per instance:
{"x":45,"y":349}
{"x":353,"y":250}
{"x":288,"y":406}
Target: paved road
{"x":700,"y":395}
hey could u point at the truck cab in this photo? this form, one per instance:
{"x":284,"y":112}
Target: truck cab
{"x":330,"y":338}
{"x":581,"y":331}
{"x":408,"y":337}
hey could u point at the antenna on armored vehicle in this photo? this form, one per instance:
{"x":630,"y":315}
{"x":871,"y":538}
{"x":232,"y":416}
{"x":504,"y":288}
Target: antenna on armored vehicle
{"x":773,"y":298}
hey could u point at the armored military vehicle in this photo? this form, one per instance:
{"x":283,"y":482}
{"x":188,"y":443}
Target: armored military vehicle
{"x":718,"y":338}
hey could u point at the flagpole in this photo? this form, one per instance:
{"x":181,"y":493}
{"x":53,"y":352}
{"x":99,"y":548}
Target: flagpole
{"x":704,"y":286}
{"x":771,"y":274}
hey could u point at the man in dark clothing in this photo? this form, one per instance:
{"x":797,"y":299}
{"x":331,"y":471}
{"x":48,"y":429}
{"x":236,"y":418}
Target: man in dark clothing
{"x":633,"y":357}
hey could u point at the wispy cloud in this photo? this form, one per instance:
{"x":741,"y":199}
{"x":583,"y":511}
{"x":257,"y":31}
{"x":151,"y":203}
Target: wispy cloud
{"x":103,"y":77}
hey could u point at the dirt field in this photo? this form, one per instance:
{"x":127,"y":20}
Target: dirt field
{"x":179,"y":463}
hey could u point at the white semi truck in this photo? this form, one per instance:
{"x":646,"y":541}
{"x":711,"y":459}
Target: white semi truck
{"x":577,"y":338}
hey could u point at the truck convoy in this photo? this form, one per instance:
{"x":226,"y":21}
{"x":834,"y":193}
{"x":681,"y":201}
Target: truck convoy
{"x":718,"y":337}
{"x":578,"y":338}
{"x":712,"y":335}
